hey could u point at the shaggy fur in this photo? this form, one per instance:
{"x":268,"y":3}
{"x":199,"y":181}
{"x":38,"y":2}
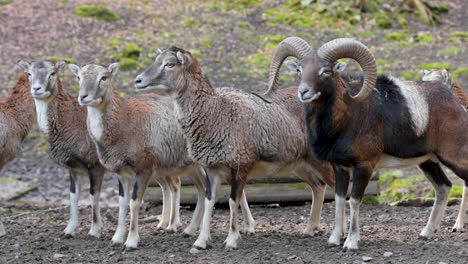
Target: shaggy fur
{"x":64,"y":124}
{"x":399,"y":124}
{"x":446,"y":78}
{"x":137,"y":138}
{"x":235,"y":134}
{"x":17,"y":114}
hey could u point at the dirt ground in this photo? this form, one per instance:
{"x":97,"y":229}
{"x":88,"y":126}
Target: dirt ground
{"x":34,"y":237}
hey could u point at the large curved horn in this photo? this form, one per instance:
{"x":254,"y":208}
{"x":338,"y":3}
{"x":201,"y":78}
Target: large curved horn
{"x":291,"y":46}
{"x":350,"y":48}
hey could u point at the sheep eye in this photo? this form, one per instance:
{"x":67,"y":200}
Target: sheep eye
{"x":104,"y":78}
{"x":52,"y":74}
{"x":169,"y":65}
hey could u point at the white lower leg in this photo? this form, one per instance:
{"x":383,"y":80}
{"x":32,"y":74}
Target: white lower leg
{"x":458,"y":227}
{"x":96,"y":218}
{"x":197,"y":216}
{"x":74,"y":212}
{"x":204,"y":235}
{"x":234,"y":235}
{"x":318,"y":194}
{"x":337,"y":233}
{"x":249,"y":221}
{"x":166,"y":208}
{"x":174,"y":217}
{"x":353,"y":234}
{"x":437,"y":212}
{"x":133,"y":237}
{"x":119,"y":235}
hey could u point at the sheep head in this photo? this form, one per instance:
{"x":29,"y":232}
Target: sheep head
{"x":43,"y":77}
{"x":96,"y":83}
{"x":168,"y":71}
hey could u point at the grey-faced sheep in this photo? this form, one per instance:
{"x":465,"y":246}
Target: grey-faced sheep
{"x":235,"y":134}
{"x":446,"y":78}
{"x":386,"y":123}
{"x":138,"y":139}
{"x":63,"y":122}
{"x":17,"y":114}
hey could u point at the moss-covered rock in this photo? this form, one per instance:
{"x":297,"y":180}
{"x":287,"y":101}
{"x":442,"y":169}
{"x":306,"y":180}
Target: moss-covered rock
{"x":435,"y":66}
{"x":98,"y":12}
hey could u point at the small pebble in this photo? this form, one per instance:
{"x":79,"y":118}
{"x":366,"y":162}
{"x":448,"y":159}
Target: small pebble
{"x":194,"y":251}
{"x":292,"y":257}
{"x":388,"y":254}
{"x":366,"y":258}
{"x":56,"y":256}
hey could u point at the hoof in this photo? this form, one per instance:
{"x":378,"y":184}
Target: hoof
{"x":186,"y":235}
{"x":423,"y":238}
{"x":126,"y":249}
{"x":66,"y":236}
{"x":229,"y":248}
{"x":113,"y":244}
{"x":347,"y":249}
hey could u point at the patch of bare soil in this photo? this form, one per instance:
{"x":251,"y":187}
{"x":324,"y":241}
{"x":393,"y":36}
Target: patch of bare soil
{"x":34,"y":237}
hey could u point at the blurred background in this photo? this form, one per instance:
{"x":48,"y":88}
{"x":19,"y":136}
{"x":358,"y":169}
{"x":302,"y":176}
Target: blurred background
{"x":233,"y":41}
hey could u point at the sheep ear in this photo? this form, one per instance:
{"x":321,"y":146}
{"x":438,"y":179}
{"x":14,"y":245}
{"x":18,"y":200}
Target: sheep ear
{"x":181,"y":58}
{"x":74,"y":69}
{"x":426,"y":72}
{"x":445,"y":74}
{"x":24,"y":64}
{"x":292,"y":66}
{"x":59,"y":65}
{"x":114,"y":68}
{"x":340,"y":66}
{"x":160,"y":51}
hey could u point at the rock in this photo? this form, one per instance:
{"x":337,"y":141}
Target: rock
{"x":15,"y":246}
{"x":388,"y":254}
{"x":56,"y":256}
{"x":2,"y":230}
{"x":442,"y":262}
{"x":292,"y":257}
{"x":366,"y":258}
{"x":194,"y":251}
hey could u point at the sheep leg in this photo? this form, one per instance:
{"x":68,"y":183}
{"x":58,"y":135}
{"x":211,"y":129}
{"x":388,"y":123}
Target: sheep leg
{"x":361,"y":177}
{"x":318,"y":195}
{"x":458,"y":227}
{"x":96,"y":176}
{"x":74,"y":210}
{"x":166,"y":203}
{"x":174,"y":213}
{"x":192,"y":228}
{"x":139,"y":188}
{"x":249,"y":221}
{"x":237,"y":181}
{"x":212,"y":182}
{"x":124,"y":199}
{"x":341,"y":189}
{"x":442,"y":185}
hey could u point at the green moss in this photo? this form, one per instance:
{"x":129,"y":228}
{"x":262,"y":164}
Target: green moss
{"x":400,"y":188}
{"x":5,"y":180}
{"x":407,"y":74}
{"x":368,"y":34}
{"x":74,"y":88}
{"x":234,"y":4}
{"x":451,"y":51}
{"x":389,"y":177}
{"x":191,"y":23}
{"x":258,"y":63}
{"x":459,"y":36}
{"x":131,"y":51}
{"x":65,"y":59}
{"x":196,"y":53}
{"x":98,"y":12}
{"x":397,"y":36}
{"x":371,"y":200}
{"x":460,"y":72}
{"x":382,"y":21}
{"x":207,"y":42}
{"x":6,"y":2}
{"x":244,"y":24}
{"x":382,"y":62}
{"x":424,"y":38}
{"x":128,"y":64}
{"x":275,"y":39}
{"x":114,"y":43}
{"x":435,"y":66}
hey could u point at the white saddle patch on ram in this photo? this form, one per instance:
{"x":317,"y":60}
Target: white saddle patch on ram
{"x":42,"y":117}
{"x":391,"y":162}
{"x":417,"y":105}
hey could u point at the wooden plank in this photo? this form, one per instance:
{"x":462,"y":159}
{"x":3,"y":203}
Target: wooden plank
{"x":258,"y":193}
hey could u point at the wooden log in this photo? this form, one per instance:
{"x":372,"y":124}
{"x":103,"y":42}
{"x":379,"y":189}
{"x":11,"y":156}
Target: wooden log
{"x":258,"y":193}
